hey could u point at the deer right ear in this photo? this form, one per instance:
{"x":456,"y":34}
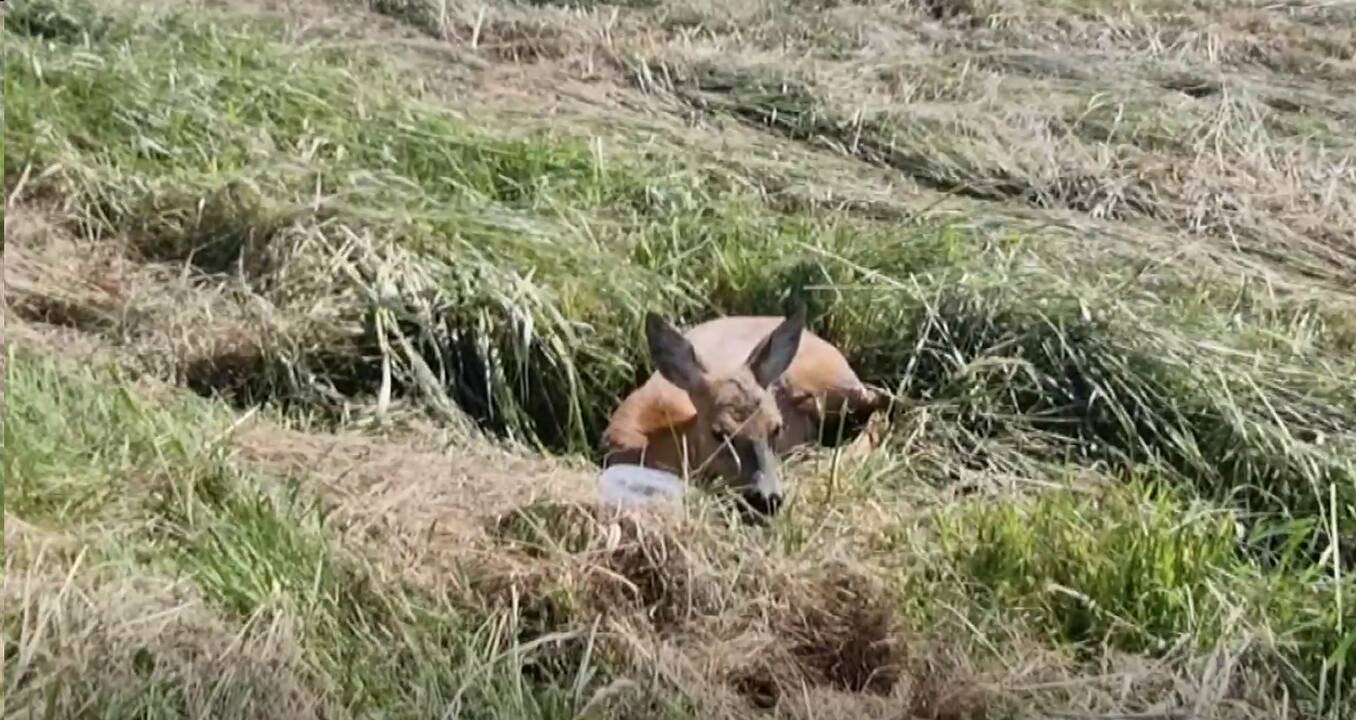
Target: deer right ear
{"x":672,"y":355}
{"x":774,"y":354}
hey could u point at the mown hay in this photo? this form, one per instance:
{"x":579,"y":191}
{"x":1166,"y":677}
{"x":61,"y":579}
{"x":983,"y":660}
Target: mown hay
{"x":689,"y":585}
{"x":1028,"y":276}
{"x":82,"y":640}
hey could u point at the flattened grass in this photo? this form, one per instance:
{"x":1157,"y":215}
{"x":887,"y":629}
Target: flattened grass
{"x":405,"y":250}
{"x":513,"y":271}
{"x":183,"y":583}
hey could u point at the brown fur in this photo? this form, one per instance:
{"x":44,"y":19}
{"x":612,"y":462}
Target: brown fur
{"x":663,"y":426}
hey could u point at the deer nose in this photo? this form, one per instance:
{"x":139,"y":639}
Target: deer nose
{"x":763,"y":504}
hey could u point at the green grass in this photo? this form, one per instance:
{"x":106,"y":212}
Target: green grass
{"x":502,"y":275}
{"x":1137,"y":568}
{"x":72,"y":449}
{"x":1141,"y":570}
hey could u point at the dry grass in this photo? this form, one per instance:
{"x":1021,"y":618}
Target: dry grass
{"x":411,"y":496}
{"x":698,"y":606}
{"x":110,"y":636}
{"x":1252,"y":180}
{"x":392,"y":248}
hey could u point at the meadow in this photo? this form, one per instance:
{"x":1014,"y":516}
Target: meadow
{"x":314,"y":315}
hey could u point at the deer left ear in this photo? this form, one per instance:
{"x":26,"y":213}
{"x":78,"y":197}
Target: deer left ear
{"x":672,"y":354}
{"x":774,"y":354}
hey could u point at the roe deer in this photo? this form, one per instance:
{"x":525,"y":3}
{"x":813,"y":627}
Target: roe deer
{"x":731,"y":397}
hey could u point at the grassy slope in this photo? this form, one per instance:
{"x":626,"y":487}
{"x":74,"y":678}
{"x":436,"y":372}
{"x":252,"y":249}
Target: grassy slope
{"x":1113,"y":311}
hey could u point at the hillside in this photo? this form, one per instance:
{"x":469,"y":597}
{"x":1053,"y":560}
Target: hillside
{"x":314,"y":314}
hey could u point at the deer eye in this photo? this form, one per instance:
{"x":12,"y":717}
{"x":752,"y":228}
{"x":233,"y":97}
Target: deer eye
{"x":720,"y":437}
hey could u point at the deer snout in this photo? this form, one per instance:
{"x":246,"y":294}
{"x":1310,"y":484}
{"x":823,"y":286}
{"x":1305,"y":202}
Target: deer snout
{"x":763,"y":496}
{"x":763,"y":504}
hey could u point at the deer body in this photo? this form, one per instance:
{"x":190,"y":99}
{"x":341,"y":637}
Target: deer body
{"x":730,"y":397}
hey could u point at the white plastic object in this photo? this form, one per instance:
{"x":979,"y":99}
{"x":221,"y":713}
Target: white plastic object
{"x":631,"y":485}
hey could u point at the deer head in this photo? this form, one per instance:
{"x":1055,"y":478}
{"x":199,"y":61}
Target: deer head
{"x":737,"y":421}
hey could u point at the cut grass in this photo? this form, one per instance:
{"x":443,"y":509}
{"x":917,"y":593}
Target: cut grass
{"x":1109,"y":157}
{"x":400,"y":249}
{"x":505,"y":277}
{"x":259,"y":565}
{"x":1131,"y":569}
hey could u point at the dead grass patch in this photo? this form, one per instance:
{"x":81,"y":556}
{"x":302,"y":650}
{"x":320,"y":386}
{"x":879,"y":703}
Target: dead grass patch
{"x":47,"y":280}
{"x":1193,"y":86}
{"x":521,"y":40}
{"x":776,"y":632}
{"x":945,"y":10}
{"x":1220,"y":36}
{"x":62,"y":313}
{"x":629,"y":562}
{"x":221,"y":322}
{"x":76,"y":636}
{"x":1114,"y":160}
{"x":407,"y":493}
{"x":57,"y":340}
{"x":845,"y":631}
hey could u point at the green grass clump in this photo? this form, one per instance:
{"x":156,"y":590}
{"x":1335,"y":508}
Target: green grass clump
{"x":1138,"y":568}
{"x":72,"y":448}
{"x":1134,"y":567}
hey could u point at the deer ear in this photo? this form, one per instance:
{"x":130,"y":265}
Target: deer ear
{"x":774,"y":354}
{"x":672,"y":355}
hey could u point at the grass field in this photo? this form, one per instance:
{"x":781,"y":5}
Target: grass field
{"x":314,"y":315}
